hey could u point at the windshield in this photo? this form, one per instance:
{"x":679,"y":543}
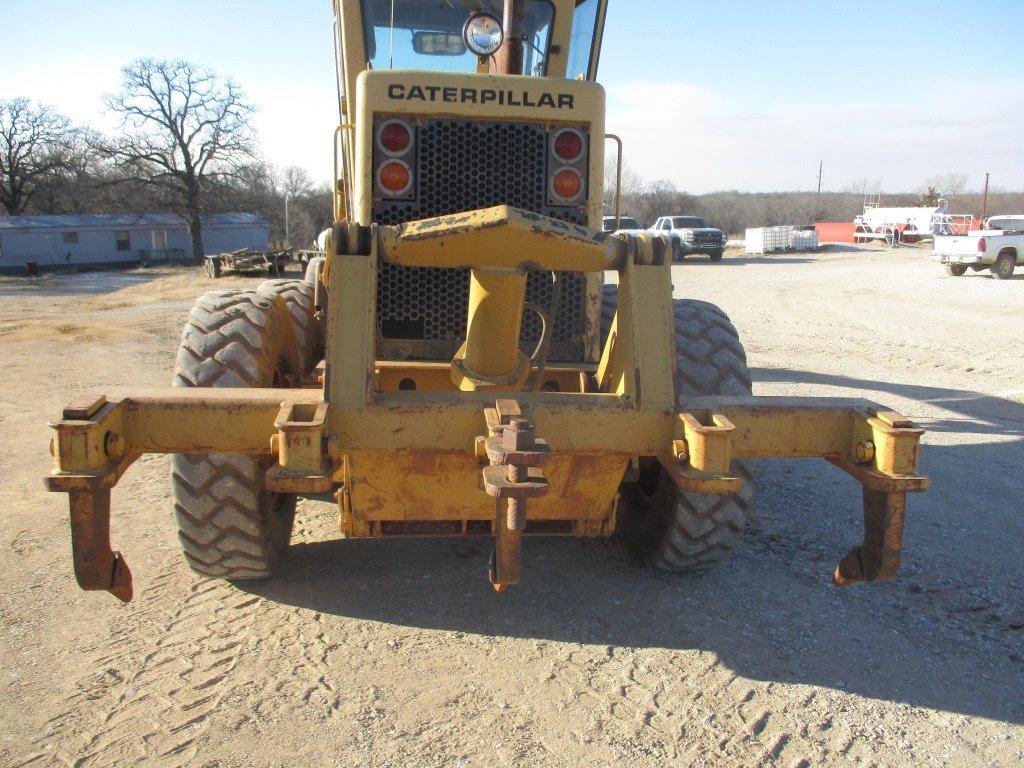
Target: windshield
{"x":688,"y":222}
{"x":625,"y":222}
{"x":581,"y":45}
{"x":427,"y":34}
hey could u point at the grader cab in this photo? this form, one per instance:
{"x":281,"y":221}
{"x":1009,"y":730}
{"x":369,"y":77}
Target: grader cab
{"x":457,"y":364}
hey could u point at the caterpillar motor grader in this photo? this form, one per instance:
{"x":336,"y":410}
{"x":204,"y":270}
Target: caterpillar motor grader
{"x":456,"y":365}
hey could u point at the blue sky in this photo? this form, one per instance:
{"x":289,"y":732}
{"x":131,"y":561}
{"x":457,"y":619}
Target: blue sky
{"x":738,"y":95}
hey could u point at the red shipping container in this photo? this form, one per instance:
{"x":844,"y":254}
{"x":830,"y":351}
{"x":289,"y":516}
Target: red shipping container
{"x":836,"y":231}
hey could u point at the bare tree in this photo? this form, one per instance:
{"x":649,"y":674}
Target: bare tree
{"x":632,"y":185}
{"x":185,"y":128}
{"x":34,"y":143}
{"x":948,"y":185}
{"x":295,"y":181}
{"x":76,"y":184}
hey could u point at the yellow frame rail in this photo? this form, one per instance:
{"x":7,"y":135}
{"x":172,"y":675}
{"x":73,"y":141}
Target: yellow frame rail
{"x":96,"y":441}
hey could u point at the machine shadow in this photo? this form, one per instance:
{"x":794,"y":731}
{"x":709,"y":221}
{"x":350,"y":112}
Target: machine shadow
{"x":771,"y":613}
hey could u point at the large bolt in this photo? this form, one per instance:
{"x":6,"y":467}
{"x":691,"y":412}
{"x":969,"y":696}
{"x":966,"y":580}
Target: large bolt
{"x":865,"y":451}
{"x":516,"y":516}
{"x":113,"y":444}
{"x":519,"y":435}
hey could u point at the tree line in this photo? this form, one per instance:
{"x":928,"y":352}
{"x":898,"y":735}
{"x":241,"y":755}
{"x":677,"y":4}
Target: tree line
{"x":735,"y":211}
{"x":184,"y":144}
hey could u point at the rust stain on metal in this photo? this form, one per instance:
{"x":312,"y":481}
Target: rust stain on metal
{"x":878,"y":557}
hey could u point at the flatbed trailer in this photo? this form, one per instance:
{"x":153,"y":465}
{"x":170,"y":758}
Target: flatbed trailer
{"x":248,"y":260}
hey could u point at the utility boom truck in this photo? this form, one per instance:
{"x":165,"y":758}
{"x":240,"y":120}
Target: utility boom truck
{"x":455,"y":366}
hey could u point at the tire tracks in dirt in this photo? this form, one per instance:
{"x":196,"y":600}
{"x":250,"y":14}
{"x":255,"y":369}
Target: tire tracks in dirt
{"x":159,"y":702}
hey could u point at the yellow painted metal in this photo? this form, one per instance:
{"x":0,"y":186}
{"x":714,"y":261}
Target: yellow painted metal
{"x":300,"y":438}
{"x":387,"y":92}
{"x":491,"y":352}
{"x":442,"y":485}
{"x":351,"y":328}
{"x":639,"y":356}
{"x":79,"y":446}
{"x":502,"y":238}
{"x":708,"y":440}
{"x":392,"y":376}
{"x":495,"y":317}
{"x":408,"y":457}
{"x":183,"y":420}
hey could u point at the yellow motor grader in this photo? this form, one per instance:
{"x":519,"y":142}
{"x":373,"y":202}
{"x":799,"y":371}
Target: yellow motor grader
{"x":456,"y":365}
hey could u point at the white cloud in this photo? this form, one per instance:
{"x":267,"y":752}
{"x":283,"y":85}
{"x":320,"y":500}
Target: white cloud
{"x":700,"y":141}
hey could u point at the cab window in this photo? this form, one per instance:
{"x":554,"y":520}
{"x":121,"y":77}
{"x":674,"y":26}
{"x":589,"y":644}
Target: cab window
{"x":427,"y":34}
{"x":689,"y":222}
{"x":581,"y":44}
{"x":1006,"y":223}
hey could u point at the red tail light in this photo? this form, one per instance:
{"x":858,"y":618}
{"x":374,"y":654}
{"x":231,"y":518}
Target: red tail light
{"x":395,"y":137}
{"x":568,"y":145}
{"x":982,"y":245}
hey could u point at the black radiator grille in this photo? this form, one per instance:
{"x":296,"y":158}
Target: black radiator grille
{"x":463,"y":165}
{"x":707,"y":237}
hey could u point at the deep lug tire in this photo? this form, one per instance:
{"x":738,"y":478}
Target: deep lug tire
{"x":313,"y":269}
{"x":673,"y":529}
{"x":297,"y":296}
{"x":955,"y":270}
{"x":229,"y":525}
{"x":1002,"y":269}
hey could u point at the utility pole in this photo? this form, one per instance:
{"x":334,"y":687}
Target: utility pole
{"x":817,"y":199}
{"x":287,"y":223}
{"x":984,"y":201}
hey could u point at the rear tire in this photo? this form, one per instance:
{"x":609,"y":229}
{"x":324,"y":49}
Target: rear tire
{"x":955,"y":270}
{"x":229,"y":525}
{"x":297,"y":296}
{"x":1002,"y":269}
{"x":609,"y":304}
{"x":672,"y":529}
{"x":313,"y":269}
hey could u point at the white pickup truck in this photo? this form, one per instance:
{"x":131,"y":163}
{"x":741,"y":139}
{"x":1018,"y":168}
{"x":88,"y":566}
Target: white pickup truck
{"x":998,"y":247}
{"x":631,"y":226}
{"x":695,"y":234}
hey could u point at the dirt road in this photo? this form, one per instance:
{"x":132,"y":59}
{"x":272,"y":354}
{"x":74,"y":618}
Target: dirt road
{"x":398,"y":654}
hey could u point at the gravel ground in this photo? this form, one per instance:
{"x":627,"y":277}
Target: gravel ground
{"x":397,"y":653}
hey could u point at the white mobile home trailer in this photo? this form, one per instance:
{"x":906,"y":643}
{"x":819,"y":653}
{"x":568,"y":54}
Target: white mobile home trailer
{"x":110,"y":240}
